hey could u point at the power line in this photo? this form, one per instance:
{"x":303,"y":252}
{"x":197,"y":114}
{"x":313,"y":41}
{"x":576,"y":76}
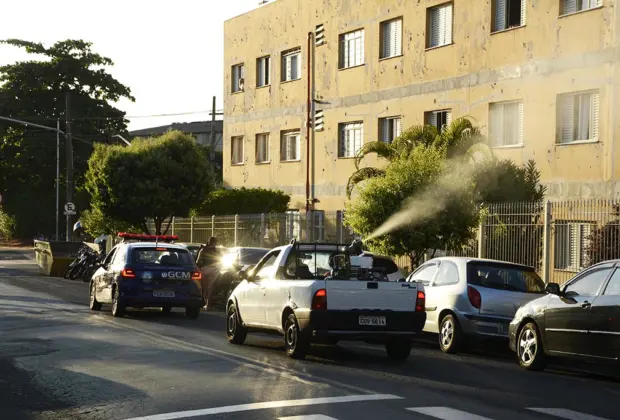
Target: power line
{"x":218,"y":112}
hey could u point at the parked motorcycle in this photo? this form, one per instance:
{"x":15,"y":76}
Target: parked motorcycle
{"x":84,"y":265}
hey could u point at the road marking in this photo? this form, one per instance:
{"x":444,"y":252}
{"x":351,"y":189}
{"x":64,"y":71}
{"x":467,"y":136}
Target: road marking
{"x":447,"y":413}
{"x":310,"y":417}
{"x":268,"y":404}
{"x":567,"y":414}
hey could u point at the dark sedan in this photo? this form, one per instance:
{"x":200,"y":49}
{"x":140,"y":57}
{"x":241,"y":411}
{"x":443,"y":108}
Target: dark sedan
{"x":580,"y":319}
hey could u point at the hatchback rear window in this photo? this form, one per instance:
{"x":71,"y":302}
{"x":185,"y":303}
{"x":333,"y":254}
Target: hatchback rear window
{"x":503,"y":276}
{"x":169,"y":257}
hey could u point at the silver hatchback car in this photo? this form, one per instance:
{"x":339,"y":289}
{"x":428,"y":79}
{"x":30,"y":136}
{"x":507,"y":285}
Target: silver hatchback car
{"x":473,"y":297}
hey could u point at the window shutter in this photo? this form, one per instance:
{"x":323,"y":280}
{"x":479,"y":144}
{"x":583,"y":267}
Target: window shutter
{"x":447,"y":25}
{"x":500,"y":15}
{"x":435,"y":27}
{"x":360,"y":48}
{"x":567,"y":118}
{"x":432,"y":118}
{"x":398,"y":44}
{"x":575,"y":251}
{"x":297,"y":144}
{"x":293,"y":67}
{"x":261,"y":72}
{"x":387,"y":40}
{"x":448,"y":117}
{"x":598,"y":3}
{"x":385,"y":130}
{"x":523,"y":11}
{"x":496,"y":124}
{"x":570,"y":6}
{"x":286,"y":68}
{"x":594,"y":120}
{"x":520,"y":124}
{"x":397,"y":128}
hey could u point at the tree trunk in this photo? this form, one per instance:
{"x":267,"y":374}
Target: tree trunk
{"x":158,"y":223}
{"x":169,"y":224}
{"x":145,"y":228}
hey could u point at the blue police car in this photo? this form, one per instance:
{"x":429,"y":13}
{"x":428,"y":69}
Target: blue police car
{"x":148,"y":271}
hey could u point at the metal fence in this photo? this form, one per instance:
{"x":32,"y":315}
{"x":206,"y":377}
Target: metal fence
{"x":557,"y":238}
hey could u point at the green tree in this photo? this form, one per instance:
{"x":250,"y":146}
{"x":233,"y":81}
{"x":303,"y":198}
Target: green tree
{"x":250,"y":200}
{"x":155,"y":179}
{"x":435,"y":206}
{"x":459,"y":138}
{"x":35,"y":90}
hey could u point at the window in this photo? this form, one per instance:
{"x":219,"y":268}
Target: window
{"x":236,"y":150}
{"x":389,"y":129}
{"x":238,"y":72}
{"x":508,"y":14}
{"x":293,"y":225}
{"x":504,"y":276}
{"x":162,"y":256}
{"x":448,"y":274}
{"x":573,"y":6}
{"x":613,"y":287}
{"x":572,"y":240}
{"x":119,"y":257}
{"x":589,"y":283}
{"x":439,"y":26}
{"x":424,"y":274}
{"x":318,"y":225}
{"x":352,"y":49}
{"x":262,"y":148}
{"x":267,"y":267}
{"x":391,"y":38}
{"x":263,"y":71}
{"x":578,"y":116}
{"x":506,"y":124}
{"x":291,"y":65}
{"x":351,"y":139}
{"x":290,"y":145}
{"x":108,"y":259}
{"x":438,"y":119}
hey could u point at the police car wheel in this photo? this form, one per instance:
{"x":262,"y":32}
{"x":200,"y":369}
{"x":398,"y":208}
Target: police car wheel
{"x":118,"y":309}
{"x":192,"y":312}
{"x":93,"y":304}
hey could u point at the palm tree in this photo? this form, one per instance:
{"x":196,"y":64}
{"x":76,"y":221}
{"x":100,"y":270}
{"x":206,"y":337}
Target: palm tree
{"x":460,"y":138}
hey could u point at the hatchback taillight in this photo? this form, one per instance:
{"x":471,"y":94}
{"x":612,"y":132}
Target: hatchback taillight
{"x":474,"y":297}
{"x":197,"y":275}
{"x":319,"y":301}
{"x":128,"y":273}
{"x":420,"y":302}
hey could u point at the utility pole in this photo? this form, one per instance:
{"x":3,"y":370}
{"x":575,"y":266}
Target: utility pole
{"x":69,"y":152}
{"x":57,"y":178}
{"x":214,"y":113}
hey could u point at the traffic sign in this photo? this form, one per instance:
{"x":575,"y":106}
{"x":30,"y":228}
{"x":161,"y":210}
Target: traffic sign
{"x":70,"y":207}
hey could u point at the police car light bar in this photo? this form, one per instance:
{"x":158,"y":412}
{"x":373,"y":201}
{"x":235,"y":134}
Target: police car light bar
{"x":144,"y":237}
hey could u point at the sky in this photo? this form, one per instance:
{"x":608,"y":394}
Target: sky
{"x":170,"y":53}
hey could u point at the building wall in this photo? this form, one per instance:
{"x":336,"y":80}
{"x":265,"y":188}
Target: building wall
{"x":548,"y":56}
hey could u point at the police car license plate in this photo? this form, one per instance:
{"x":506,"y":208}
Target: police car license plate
{"x":164,"y":294}
{"x":372,"y":320}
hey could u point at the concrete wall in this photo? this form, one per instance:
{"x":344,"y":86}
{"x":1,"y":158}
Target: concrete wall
{"x":548,"y":56}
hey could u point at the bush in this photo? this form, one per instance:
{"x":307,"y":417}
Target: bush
{"x":7,"y":225}
{"x":244,"y":200}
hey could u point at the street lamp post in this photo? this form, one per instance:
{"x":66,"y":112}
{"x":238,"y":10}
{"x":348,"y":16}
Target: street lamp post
{"x":122,"y":138}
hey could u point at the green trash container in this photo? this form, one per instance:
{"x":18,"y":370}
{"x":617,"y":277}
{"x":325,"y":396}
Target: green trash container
{"x":55,"y":256}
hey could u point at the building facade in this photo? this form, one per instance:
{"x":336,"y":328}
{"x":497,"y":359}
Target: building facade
{"x":541,"y":78}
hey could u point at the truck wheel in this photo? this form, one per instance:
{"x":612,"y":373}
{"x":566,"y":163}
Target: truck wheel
{"x":93,"y":304}
{"x":529,"y":348}
{"x":192,"y":312}
{"x":450,"y":335}
{"x":295,"y":342}
{"x":398,"y":349}
{"x":235,"y":331}
{"x":118,"y":309}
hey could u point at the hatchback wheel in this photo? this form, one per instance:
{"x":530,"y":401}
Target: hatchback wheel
{"x":529,"y":348}
{"x":450,"y":335}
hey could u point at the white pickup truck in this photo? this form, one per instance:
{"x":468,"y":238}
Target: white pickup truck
{"x":307,"y":293}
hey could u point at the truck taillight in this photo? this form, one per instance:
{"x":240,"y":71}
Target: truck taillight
{"x":420,"y":301}
{"x":474,"y":297}
{"x":319,"y":301}
{"x":128,"y":273}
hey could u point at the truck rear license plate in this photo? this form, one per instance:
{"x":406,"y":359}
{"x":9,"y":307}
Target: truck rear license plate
{"x":163,"y":294}
{"x":373,"y":320}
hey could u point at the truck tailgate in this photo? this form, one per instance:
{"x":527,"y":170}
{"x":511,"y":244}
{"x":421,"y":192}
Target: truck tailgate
{"x":345,"y":295}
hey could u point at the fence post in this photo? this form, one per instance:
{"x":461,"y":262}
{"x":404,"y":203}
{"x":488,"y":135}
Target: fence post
{"x":481,"y":239}
{"x":309,"y":231}
{"x":339,"y":226}
{"x":262,"y":230}
{"x":173,"y":225}
{"x":236,"y":225}
{"x":191,"y":229}
{"x":547,"y":217}
{"x":213,"y":226}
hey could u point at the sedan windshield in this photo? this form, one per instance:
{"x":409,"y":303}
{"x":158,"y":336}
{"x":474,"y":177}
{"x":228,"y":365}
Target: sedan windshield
{"x":504,"y":276}
{"x":169,"y":257}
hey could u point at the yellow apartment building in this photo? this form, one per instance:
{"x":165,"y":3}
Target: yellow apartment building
{"x":540,"y":76}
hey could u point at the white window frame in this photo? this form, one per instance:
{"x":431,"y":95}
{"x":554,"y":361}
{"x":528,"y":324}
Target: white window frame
{"x":578,"y":117}
{"x":262,"y":148}
{"x":502,"y":123}
{"x":318,"y":225}
{"x":439,"y":25}
{"x":391,"y":38}
{"x":351,"y":49}
{"x":390,"y":128}
{"x":431,"y":118}
{"x":501,"y":15}
{"x":572,"y":239}
{"x":293,"y":225}
{"x":568,"y":7}
{"x":263,"y":71}
{"x":351,"y":138}
{"x":290,"y":141}
{"x":291,"y":65}
{"x":237,"y":74}
{"x":236,"y":150}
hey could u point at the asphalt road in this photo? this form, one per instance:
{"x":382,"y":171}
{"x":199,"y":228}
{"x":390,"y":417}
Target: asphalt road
{"x":58,"y":360}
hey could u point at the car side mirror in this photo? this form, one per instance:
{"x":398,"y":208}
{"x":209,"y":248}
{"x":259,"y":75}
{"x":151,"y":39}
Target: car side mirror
{"x":553,"y":289}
